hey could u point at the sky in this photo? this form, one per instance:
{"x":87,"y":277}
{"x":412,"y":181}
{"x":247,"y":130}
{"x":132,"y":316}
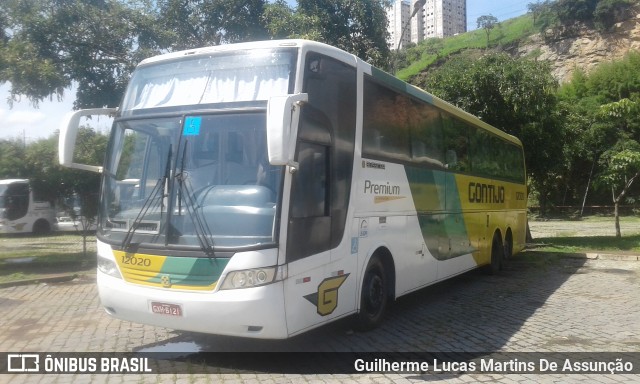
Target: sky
{"x":23,"y":121}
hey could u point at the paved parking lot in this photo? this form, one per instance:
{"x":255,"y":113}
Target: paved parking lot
{"x":541,"y":304}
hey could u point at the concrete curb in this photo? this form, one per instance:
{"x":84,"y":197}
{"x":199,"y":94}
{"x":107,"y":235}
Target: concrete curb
{"x":589,"y":255}
{"x":58,"y":278}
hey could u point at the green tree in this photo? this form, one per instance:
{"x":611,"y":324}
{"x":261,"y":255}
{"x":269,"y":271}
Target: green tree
{"x":46,"y":46}
{"x":622,"y":168}
{"x":278,"y":18}
{"x":12,"y":155}
{"x":593,"y":132}
{"x":572,"y":11}
{"x":609,"y":12}
{"x":357,"y":26}
{"x":535,"y":9}
{"x":515,"y":95}
{"x":52,"y":44}
{"x":198,"y":23}
{"x":622,"y":162}
{"x":487,"y":22}
{"x":544,"y":15}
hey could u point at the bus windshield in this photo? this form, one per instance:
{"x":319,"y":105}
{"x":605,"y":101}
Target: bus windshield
{"x":191,"y":181}
{"x":207,"y":79}
{"x":187,"y":163}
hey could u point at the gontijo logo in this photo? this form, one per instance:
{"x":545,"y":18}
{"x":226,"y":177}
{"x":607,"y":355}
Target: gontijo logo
{"x":486,"y":193}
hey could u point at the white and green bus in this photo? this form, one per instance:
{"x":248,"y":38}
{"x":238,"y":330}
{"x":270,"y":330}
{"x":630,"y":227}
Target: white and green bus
{"x":264,"y":189}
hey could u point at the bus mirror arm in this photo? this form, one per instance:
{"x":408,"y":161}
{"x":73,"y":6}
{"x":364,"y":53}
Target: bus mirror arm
{"x":69,"y":128}
{"x":283,"y":115}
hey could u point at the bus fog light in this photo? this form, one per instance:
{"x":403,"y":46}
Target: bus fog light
{"x":108,"y":267}
{"x":249,"y":278}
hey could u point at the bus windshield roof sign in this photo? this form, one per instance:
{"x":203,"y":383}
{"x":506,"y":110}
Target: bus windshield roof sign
{"x":192,"y":126}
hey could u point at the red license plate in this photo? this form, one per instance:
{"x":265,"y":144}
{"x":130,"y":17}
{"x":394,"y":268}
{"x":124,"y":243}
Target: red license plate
{"x":166,"y":309}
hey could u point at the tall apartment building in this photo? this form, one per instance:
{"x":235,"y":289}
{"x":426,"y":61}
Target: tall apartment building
{"x":437,"y":18}
{"x":397,"y":21}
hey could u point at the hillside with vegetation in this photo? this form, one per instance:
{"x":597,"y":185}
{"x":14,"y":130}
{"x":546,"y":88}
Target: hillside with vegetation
{"x":567,"y":43}
{"x":565,"y":79}
{"x":429,"y":53}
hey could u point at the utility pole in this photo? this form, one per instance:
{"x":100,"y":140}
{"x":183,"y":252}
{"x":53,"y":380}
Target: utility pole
{"x":416,"y":7}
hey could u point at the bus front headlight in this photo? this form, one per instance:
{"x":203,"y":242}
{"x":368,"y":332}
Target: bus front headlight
{"x":108,"y":267}
{"x":249,"y":278}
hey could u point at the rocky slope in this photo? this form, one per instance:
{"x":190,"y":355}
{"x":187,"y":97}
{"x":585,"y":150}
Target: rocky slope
{"x":584,"y":49}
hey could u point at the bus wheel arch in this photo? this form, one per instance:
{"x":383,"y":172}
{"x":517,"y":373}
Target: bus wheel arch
{"x":41,"y":227}
{"x":377,"y":290}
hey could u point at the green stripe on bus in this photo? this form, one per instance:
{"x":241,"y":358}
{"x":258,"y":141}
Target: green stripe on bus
{"x":191,"y":271}
{"x":437,"y":201}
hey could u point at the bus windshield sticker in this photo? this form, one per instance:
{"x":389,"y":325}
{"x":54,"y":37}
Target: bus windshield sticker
{"x":192,"y":126}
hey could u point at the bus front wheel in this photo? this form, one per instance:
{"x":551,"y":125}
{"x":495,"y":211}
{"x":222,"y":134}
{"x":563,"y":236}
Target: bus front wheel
{"x":41,"y":227}
{"x":374,"y":298}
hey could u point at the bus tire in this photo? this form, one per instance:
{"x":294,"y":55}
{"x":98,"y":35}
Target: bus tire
{"x":497,"y":255}
{"x":508,"y":249}
{"x":374,"y":298}
{"x":41,"y":227}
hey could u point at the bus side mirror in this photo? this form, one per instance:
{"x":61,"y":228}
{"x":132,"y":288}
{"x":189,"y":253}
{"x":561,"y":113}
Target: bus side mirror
{"x":283,"y":114}
{"x":69,"y":132}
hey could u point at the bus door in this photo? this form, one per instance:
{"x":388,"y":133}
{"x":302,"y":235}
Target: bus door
{"x":318,"y":259}
{"x":322,"y":278}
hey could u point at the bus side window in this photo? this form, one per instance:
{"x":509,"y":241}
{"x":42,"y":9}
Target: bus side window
{"x":17,"y":201}
{"x":310,"y":181}
{"x":456,"y":138}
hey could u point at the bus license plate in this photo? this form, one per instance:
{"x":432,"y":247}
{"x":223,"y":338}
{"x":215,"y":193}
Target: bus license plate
{"x":166,"y":309}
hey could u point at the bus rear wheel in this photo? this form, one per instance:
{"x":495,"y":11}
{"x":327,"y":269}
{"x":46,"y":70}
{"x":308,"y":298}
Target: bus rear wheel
{"x":374,"y":298}
{"x":497,"y":255}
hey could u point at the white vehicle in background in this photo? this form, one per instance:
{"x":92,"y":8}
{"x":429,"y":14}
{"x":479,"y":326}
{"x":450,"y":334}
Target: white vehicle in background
{"x":20,"y":211}
{"x":69,"y":224}
{"x":70,"y":219}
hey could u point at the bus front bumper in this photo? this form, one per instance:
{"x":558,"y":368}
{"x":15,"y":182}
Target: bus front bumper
{"x":252,"y":312}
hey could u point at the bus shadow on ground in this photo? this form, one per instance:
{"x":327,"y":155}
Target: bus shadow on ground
{"x":472,"y":314}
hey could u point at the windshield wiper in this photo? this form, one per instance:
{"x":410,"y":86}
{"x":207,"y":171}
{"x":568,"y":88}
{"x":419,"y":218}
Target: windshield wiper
{"x":161,"y":185}
{"x":201,"y":227}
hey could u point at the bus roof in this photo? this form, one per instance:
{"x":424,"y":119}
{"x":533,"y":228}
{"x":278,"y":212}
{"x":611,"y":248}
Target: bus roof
{"x":290,"y":43}
{"x":11,"y":181}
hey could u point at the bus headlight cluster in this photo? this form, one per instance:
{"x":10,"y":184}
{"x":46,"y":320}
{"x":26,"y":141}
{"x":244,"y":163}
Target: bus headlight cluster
{"x":249,"y":278}
{"x":108,"y":267}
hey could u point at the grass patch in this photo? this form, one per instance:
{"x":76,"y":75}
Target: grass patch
{"x":578,"y":244}
{"x":34,"y":258}
{"x":61,"y":247}
{"x":31,"y":277}
{"x":29,"y":257}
